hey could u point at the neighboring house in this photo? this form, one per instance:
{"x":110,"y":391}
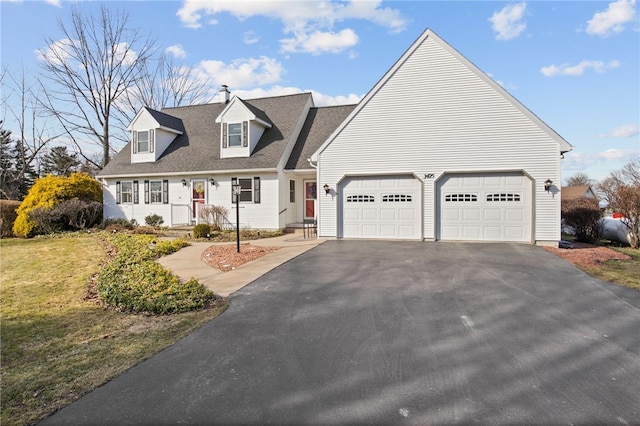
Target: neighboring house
{"x":435,"y":151}
{"x":570,"y":192}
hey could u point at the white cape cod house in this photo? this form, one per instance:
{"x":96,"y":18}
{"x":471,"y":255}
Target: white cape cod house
{"x":435,"y":151}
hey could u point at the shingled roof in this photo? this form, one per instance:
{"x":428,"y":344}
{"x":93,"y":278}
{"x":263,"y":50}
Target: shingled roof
{"x":319,"y":125}
{"x":198,"y":148}
{"x":166,"y":120}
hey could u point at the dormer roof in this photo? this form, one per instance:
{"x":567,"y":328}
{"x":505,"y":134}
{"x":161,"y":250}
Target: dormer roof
{"x":197,"y":149}
{"x":163,"y":121}
{"x":253,"y":113}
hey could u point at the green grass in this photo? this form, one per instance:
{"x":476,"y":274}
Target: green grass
{"x":57,"y":344}
{"x":621,"y":272}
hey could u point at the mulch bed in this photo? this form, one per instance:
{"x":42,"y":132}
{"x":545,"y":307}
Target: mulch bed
{"x":226,"y":257}
{"x":589,"y":255}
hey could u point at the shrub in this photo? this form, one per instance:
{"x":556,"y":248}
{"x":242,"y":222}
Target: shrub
{"x":153,"y":220}
{"x":70,"y":215}
{"x":583,"y":215}
{"x":214,"y":216}
{"x":119,"y":223}
{"x":8,"y":217}
{"x":51,"y":191}
{"x":134,"y":282}
{"x":201,"y":230}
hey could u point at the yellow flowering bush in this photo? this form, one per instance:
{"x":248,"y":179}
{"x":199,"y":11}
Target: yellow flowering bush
{"x":50,"y":191}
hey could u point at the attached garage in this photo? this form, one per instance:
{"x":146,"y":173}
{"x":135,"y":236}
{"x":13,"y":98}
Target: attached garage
{"x":381,"y":207}
{"x":484,"y":207}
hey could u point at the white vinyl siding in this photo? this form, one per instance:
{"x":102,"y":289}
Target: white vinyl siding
{"x":442,"y":117}
{"x":176,"y":196}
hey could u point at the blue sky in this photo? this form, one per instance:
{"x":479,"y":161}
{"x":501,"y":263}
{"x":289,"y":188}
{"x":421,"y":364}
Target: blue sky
{"x":575,"y":64}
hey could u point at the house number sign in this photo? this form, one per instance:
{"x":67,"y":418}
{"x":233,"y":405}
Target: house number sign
{"x":429,"y":176}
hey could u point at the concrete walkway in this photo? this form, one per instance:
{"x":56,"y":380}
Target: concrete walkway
{"x":186,"y":262}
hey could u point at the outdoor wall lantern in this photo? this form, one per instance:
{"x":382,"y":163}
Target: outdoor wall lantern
{"x":326,"y":189}
{"x":212,"y":182}
{"x":236,"y":189}
{"x":184,"y":182}
{"x":547,"y":184}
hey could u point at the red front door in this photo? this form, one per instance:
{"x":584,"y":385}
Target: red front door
{"x":310,"y":195}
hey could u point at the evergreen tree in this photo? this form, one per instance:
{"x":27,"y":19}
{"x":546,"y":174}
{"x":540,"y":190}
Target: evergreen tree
{"x":26,"y":175}
{"x":7,"y":162}
{"x":59,"y":162}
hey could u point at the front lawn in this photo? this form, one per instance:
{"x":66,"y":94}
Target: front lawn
{"x":622,"y":272}
{"x":57,"y":343}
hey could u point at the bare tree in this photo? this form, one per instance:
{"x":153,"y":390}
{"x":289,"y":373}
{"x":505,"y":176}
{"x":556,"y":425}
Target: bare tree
{"x":166,"y":83}
{"x":32,"y":136}
{"x":88,"y":70}
{"x":579,"y":179}
{"x":621,"y":190}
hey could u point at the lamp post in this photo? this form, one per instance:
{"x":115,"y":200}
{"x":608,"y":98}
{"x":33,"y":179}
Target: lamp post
{"x":236,"y":193}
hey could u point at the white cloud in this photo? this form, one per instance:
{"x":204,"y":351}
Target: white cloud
{"x":250,"y":37}
{"x":56,"y":3}
{"x":579,"y":69}
{"x":176,"y":51}
{"x":58,"y":52}
{"x":622,"y":132}
{"x":613,"y":19}
{"x":311,"y":23}
{"x":242,"y":72}
{"x":598,"y":164}
{"x":320,"y":42}
{"x":508,"y":23}
{"x":319,"y":99}
{"x":616,"y":154}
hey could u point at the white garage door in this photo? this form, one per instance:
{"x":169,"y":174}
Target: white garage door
{"x":381,"y":207}
{"x":484,"y":207}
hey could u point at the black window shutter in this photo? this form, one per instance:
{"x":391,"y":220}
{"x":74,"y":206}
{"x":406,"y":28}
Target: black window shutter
{"x":151,"y":140}
{"x":134,"y":143}
{"x":245,"y":134}
{"x":234,"y":181}
{"x":146,"y":192}
{"x":224,"y":135}
{"x":165,"y":191}
{"x":256,"y":190}
{"x":118,"y":193}
{"x":135,"y":192}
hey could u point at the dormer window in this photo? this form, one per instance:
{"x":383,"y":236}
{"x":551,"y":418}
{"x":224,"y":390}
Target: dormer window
{"x":235,"y":134}
{"x":143,"y":141}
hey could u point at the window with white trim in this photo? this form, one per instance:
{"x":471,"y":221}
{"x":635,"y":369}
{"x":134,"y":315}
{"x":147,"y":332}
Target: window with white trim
{"x":155,"y":191}
{"x":235,"y":134}
{"x":143,"y":141}
{"x":249,"y":190}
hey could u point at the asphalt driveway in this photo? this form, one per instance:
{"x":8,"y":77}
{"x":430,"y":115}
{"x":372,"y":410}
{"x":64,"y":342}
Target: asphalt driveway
{"x":355,"y":332}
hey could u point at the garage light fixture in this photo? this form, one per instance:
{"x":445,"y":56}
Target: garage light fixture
{"x":547,"y":184}
{"x":212,"y":182}
{"x":326,"y":189}
{"x":184,"y":182}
